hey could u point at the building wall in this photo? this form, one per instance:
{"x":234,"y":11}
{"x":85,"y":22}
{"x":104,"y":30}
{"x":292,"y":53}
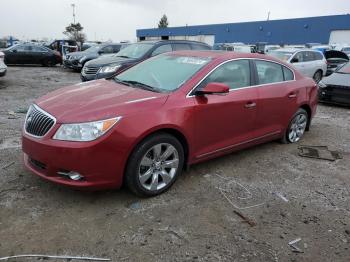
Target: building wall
{"x":288,"y":31}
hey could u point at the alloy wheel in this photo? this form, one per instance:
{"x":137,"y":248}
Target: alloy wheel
{"x":158,"y":167}
{"x":297,"y":128}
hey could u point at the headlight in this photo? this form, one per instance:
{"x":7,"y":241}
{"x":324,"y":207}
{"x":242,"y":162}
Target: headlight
{"x":82,"y":59}
{"x":109,"y":69}
{"x":321,"y":84}
{"x":85,"y":131}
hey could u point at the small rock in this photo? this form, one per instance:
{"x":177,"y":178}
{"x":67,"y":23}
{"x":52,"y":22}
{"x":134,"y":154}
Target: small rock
{"x":135,"y":206}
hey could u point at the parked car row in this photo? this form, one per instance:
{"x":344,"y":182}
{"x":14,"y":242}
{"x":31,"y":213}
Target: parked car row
{"x":76,"y":60}
{"x":107,"y":66}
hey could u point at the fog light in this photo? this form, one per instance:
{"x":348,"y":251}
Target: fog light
{"x":72,"y":175}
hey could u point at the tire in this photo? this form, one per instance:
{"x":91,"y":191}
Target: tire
{"x":154,"y":165}
{"x":49,"y":63}
{"x":317,"y":76}
{"x":296,"y":128}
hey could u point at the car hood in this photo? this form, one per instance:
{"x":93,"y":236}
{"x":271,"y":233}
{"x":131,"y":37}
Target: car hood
{"x":335,"y":54}
{"x":79,"y":54}
{"x":108,"y":60}
{"x":97,"y":100}
{"x":337,"y":79}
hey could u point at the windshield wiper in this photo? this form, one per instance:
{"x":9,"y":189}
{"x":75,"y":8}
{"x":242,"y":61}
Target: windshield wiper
{"x":122,"y":82}
{"x":141,"y":85}
{"x":123,"y":56}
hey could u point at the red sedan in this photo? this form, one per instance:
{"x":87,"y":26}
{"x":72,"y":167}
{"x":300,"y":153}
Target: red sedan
{"x":149,"y":122}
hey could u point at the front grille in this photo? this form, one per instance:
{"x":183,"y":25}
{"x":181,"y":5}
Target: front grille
{"x":91,"y":70}
{"x":38,"y":122}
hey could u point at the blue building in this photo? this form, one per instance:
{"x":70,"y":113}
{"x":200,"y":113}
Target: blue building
{"x":323,"y":29}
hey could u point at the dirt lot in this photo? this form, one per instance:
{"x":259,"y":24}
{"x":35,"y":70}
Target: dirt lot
{"x":288,"y":197}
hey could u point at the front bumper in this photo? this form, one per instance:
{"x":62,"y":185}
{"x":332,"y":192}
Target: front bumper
{"x":3,"y":71}
{"x":72,"y":64}
{"x":334,"y":95}
{"x":100,"y":162}
{"x":89,"y":77}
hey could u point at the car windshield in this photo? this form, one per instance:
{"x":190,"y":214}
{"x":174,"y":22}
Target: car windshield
{"x":344,"y":69}
{"x":135,"y":50}
{"x":93,"y":48}
{"x":163,"y":73}
{"x":282,"y":55}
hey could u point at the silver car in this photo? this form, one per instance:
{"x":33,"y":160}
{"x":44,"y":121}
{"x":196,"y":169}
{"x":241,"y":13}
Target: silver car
{"x":311,"y":63}
{"x":3,"y":67}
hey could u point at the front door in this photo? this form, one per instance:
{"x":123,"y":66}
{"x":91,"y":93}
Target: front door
{"x":225,"y":121}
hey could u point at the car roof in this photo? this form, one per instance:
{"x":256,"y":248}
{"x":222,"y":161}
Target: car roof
{"x":223,"y":55}
{"x":170,"y":41}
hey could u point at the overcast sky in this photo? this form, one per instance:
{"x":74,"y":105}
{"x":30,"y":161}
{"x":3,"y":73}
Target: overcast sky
{"x":118,"y":19}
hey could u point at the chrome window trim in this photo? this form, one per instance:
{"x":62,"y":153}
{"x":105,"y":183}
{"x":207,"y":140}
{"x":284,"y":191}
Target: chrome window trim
{"x":43,"y":112}
{"x":237,"y":59}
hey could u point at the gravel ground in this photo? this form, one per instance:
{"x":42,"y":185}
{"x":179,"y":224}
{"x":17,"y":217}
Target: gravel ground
{"x":285,"y":195}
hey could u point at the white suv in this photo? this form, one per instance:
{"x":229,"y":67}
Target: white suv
{"x":311,"y":63}
{"x":3,"y":67}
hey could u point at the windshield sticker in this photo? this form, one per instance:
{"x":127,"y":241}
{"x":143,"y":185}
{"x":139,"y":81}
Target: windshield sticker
{"x":192,"y":60}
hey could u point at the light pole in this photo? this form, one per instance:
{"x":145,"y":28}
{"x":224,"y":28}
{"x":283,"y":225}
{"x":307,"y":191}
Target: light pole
{"x":73,"y":6}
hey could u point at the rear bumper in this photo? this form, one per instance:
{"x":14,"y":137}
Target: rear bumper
{"x":100,"y":163}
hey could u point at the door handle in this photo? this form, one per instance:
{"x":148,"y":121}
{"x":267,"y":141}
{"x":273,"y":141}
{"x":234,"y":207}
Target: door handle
{"x":292,"y":95}
{"x":250,"y":105}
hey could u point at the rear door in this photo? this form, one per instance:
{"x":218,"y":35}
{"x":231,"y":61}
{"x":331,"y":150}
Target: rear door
{"x":223,"y":122}
{"x":277,"y":97}
{"x":299,"y":63}
{"x":39,"y":55}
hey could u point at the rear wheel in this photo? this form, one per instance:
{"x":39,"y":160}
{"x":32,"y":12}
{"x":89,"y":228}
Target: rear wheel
{"x":154,"y":165}
{"x":317,"y":76}
{"x":296,"y":127}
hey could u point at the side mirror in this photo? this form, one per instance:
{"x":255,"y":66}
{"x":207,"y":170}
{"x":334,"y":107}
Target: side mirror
{"x":100,"y":52}
{"x":14,"y":51}
{"x":213,"y":89}
{"x":294,"y":60}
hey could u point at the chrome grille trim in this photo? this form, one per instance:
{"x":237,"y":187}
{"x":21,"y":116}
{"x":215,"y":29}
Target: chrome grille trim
{"x":41,"y":122}
{"x":91,"y":70}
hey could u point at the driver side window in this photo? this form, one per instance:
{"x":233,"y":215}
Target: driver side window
{"x":107,"y":49}
{"x":162,"y":49}
{"x":235,"y":74}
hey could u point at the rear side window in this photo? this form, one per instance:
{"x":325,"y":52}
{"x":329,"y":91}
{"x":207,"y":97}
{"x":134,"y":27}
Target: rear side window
{"x":181,"y":47}
{"x":318,"y":56}
{"x":162,"y":49}
{"x":288,"y":74}
{"x":235,"y":74}
{"x":308,"y":56}
{"x":269,"y":72}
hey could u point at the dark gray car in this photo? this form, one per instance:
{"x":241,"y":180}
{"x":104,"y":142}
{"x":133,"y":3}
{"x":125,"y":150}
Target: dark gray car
{"x":76,"y":60}
{"x":108,"y":66}
{"x":335,"y":88}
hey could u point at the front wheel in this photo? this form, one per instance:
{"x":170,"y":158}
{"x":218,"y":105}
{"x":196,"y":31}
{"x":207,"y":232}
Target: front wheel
{"x":317,"y":76}
{"x":296,"y":127}
{"x":154,"y":165}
